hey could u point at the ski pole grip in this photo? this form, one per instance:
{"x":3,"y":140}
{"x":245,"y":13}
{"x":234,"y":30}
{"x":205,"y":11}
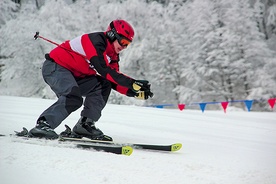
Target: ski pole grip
{"x":36,"y":35}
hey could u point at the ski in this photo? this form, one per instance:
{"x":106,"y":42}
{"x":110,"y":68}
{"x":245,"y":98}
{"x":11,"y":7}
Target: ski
{"x":116,"y":149}
{"x":169,"y":148}
{"x":68,"y":135}
{"x":123,"y":150}
{"x":106,"y":146}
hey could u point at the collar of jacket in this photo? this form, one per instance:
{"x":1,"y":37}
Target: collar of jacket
{"x":110,"y":51}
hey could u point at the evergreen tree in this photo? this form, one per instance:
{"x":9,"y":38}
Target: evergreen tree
{"x":205,"y":72}
{"x":248,"y":52}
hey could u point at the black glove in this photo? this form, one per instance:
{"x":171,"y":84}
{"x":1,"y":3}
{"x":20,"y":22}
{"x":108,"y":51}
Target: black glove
{"x":141,"y":85}
{"x":144,"y":95}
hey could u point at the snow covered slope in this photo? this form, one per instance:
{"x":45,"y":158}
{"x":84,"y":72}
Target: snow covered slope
{"x":218,"y":148}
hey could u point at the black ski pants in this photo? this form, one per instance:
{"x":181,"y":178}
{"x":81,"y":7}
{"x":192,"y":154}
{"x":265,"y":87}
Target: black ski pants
{"x":70,"y":92}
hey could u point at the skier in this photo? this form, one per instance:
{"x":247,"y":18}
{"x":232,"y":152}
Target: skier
{"x":87,"y":66}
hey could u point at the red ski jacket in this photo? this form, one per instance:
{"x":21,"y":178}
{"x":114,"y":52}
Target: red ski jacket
{"x":92,"y":54}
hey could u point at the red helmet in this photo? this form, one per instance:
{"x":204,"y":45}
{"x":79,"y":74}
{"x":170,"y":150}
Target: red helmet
{"x":122,"y":28}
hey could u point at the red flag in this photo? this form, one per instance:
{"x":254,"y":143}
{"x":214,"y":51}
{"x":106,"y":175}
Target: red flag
{"x":271,"y":102}
{"x":224,"y":106}
{"x":181,"y":107}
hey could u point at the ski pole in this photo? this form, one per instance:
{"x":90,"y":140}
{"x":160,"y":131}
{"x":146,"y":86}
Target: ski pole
{"x":38,"y":36}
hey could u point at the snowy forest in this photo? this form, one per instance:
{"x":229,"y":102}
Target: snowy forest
{"x":189,"y":50}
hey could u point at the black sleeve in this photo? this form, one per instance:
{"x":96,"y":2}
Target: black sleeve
{"x":129,"y":92}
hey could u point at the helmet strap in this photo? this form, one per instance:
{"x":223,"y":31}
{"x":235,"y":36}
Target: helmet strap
{"x":111,"y":34}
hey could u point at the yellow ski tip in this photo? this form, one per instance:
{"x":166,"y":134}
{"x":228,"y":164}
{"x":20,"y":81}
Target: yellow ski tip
{"x":127,"y":150}
{"x":176,"y":147}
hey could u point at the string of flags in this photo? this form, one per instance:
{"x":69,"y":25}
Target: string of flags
{"x":224,"y":104}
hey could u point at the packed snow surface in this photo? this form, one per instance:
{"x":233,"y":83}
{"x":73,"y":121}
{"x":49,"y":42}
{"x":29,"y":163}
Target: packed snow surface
{"x":218,"y":148}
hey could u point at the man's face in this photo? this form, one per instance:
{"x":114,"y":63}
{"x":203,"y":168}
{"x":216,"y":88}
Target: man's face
{"x":118,"y":48}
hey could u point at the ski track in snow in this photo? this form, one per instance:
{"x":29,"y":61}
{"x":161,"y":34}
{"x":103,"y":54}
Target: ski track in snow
{"x":218,"y":148}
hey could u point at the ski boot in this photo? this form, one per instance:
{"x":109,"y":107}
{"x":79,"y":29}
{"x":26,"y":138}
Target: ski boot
{"x":43,"y":130}
{"x":86,"y":127}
